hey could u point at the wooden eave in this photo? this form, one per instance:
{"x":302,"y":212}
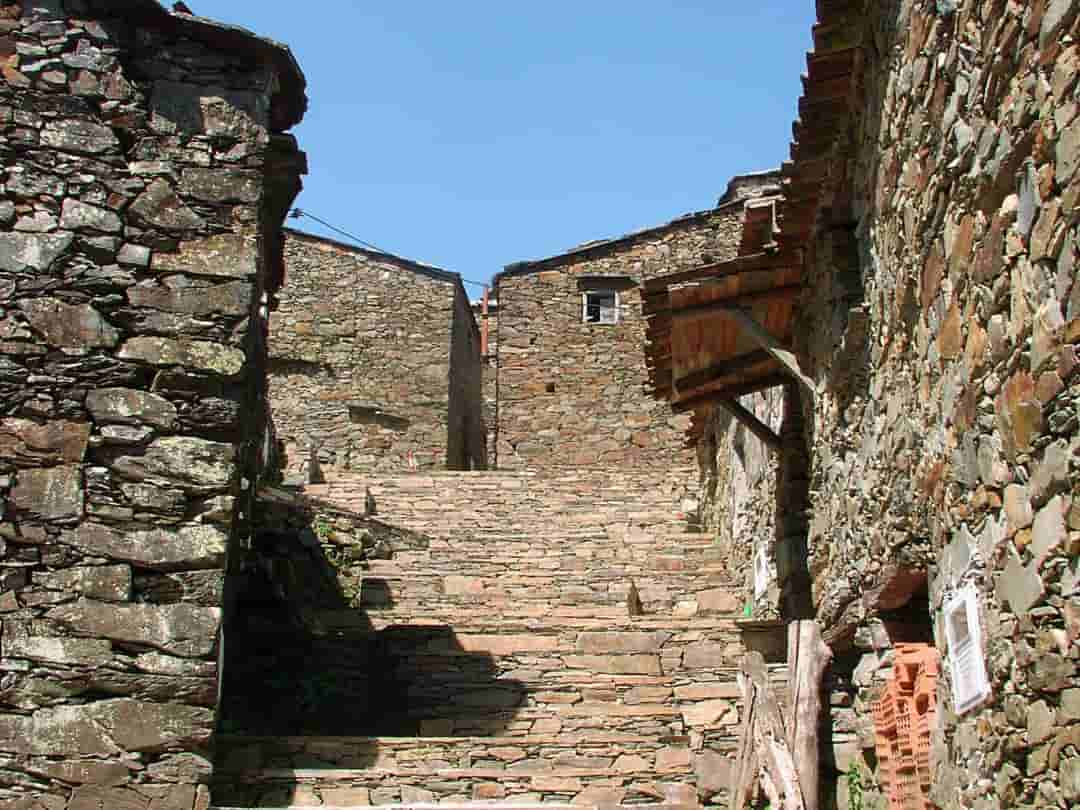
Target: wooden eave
{"x":717,"y":332}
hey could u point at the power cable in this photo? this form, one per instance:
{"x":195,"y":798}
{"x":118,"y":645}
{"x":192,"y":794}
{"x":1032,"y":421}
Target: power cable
{"x":297,"y":213}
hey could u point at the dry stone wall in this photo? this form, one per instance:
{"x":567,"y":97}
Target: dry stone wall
{"x":940,"y":324}
{"x":144,"y":182}
{"x":739,"y":496}
{"x":945,"y":435}
{"x":466,"y":431}
{"x":574,"y":393}
{"x":373,"y":358}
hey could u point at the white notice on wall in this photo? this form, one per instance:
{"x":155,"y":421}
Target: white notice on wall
{"x":761,"y":572}
{"x":964,"y":636}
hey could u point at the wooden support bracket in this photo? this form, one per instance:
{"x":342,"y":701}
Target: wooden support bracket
{"x":760,"y":335}
{"x":729,"y":392}
{"x":751,"y":423}
{"x":725,"y":368}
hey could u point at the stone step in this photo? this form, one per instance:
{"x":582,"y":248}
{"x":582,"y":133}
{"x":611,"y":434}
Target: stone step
{"x":486,"y":583}
{"x":597,"y":768}
{"x":364,"y":801}
{"x":426,"y":593}
{"x":497,"y":643}
{"x":428,"y":680}
{"x":515,"y":617}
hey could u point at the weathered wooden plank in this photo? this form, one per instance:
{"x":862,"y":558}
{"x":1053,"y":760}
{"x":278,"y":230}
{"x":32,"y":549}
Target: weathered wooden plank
{"x":770,"y":737}
{"x":769,"y":343}
{"x":751,"y":423}
{"x":723,"y":368}
{"x":726,"y":304}
{"x":808,"y":657}
{"x":729,"y":392}
{"x":745,"y":773}
{"x":742,"y":264}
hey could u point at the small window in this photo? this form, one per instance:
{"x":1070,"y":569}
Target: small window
{"x":600,"y":306}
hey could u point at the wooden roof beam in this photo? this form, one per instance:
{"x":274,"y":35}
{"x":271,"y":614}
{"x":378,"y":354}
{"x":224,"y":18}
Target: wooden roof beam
{"x":740,"y":264}
{"x":728,"y":305}
{"x":721,"y":369}
{"x":729,"y":392}
{"x":760,"y":335}
{"x":751,"y":423}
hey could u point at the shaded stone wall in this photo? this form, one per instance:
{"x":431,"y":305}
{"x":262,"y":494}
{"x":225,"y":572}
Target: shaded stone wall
{"x":739,"y":494}
{"x":466,"y":433}
{"x":940,"y":324}
{"x":369,"y":355}
{"x":489,"y":326}
{"x":573,"y":393}
{"x":941,"y":328}
{"x":138,"y":231}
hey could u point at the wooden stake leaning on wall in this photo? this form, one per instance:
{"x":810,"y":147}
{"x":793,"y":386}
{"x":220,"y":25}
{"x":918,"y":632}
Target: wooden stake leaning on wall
{"x":744,"y":775}
{"x":808,"y":658}
{"x":769,"y":741}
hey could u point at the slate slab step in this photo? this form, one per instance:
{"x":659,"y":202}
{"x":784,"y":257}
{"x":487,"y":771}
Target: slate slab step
{"x":521,"y":676}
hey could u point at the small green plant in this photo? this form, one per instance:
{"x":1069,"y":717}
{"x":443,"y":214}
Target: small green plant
{"x":322,"y":529}
{"x":854,"y":779}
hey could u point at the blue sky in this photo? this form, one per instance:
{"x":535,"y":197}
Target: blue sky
{"x":474,"y":134}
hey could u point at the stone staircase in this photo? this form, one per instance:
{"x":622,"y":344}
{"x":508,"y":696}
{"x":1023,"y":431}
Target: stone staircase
{"x":565,"y":638}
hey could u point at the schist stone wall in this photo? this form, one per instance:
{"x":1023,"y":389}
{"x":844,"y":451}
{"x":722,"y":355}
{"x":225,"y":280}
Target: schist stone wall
{"x":944,"y":440}
{"x":738,"y":474}
{"x":947,"y":428}
{"x":375,"y":364}
{"x":144,"y":182}
{"x":572,"y":392}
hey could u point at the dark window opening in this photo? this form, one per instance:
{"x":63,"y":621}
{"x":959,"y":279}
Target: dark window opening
{"x":601,"y":306}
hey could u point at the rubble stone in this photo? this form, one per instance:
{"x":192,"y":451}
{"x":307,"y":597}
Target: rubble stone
{"x":112,"y":596}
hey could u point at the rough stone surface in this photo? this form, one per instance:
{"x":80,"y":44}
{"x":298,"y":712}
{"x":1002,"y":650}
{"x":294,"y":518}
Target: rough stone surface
{"x":26,"y":253}
{"x":190,"y":547}
{"x":77,"y":216}
{"x":159,"y":206}
{"x":375,"y":364}
{"x":24,"y":442}
{"x":571,"y":392}
{"x":939,"y":331}
{"x":129,"y":406}
{"x":54,"y":493}
{"x":201,"y":355}
{"x":195,"y":465}
{"x":185,"y":630}
{"x":67,"y":326}
{"x":123,"y":378}
{"x":226,"y":255}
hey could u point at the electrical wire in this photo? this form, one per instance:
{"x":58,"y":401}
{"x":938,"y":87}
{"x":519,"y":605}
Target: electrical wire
{"x":297,"y":213}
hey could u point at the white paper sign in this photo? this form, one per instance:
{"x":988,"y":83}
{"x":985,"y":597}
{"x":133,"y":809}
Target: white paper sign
{"x":761,"y":572}
{"x":964,"y":636}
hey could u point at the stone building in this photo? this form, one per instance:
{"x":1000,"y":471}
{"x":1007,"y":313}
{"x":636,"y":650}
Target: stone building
{"x":374,"y":363}
{"x":146,"y":173}
{"x":920,"y":484}
{"x":571,"y":382}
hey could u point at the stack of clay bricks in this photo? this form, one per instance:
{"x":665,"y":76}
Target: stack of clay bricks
{"x":903,"y":718}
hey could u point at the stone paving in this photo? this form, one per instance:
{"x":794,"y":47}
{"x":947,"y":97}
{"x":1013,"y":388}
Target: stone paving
{"x":580,"y":633}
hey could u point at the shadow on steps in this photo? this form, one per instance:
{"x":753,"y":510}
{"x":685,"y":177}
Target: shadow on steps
{"x":303,"y":659}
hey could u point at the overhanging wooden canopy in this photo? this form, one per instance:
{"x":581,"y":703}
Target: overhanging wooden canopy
{"x":723,"y":330}
{"x":718,"y":330}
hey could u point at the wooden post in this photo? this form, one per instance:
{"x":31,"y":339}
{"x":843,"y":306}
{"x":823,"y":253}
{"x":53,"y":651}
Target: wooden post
{"x":744,"y":776}
{"x":769,"y":745}
{"x":808,"y":657}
